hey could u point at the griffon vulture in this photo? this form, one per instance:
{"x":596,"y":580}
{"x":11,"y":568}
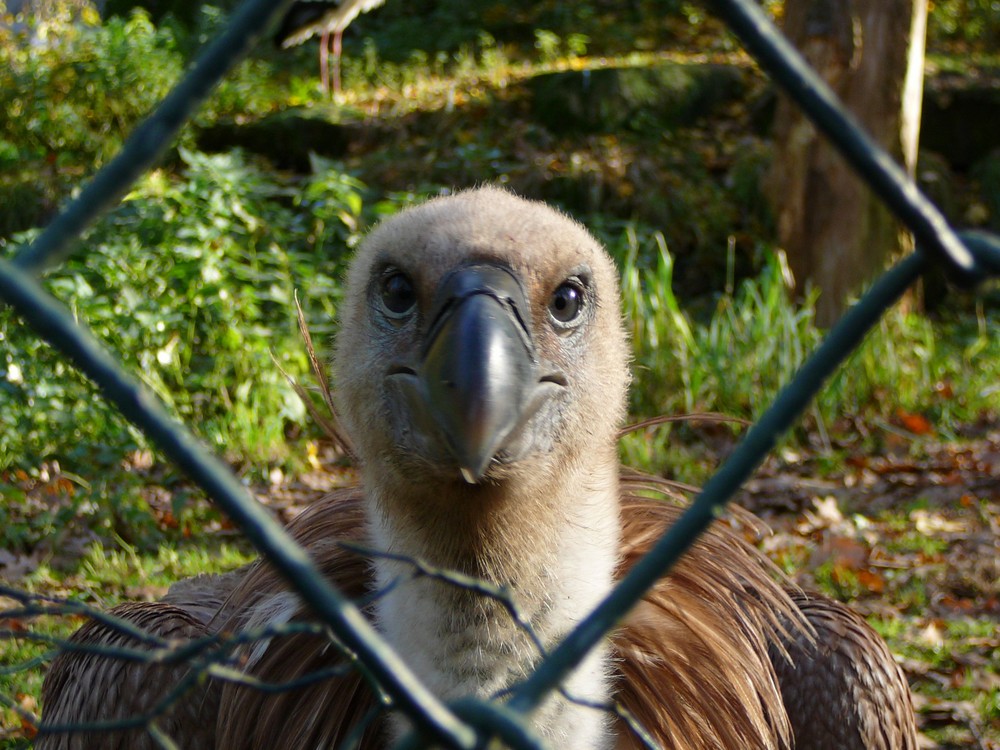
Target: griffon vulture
{"x":481,"y":370}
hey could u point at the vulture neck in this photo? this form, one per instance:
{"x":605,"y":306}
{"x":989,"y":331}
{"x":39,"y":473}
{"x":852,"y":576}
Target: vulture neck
{"x":549,"y":539}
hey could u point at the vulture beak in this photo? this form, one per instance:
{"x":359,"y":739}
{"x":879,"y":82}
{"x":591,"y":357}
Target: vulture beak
{"x":479,"y":380}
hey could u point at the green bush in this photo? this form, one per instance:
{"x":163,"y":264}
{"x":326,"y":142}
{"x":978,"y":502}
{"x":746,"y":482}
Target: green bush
{"x":70,"y":92}
{"x":967,"y":22}
{"x":190,"y":282}
{"x":76,"y":91}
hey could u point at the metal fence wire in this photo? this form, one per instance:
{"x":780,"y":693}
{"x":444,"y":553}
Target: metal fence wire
{"x":970,"y":257}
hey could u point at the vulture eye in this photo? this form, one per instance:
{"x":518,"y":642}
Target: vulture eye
{"x":398,"y":296}
{"x":566,"y":303}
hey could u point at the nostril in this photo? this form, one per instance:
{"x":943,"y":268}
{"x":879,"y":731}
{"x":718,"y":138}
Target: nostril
{"x":399,"y":369}
{"x":556,"y":378}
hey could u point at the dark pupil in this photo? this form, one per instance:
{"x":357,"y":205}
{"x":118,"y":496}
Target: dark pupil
{"x":565,"y":303}
{"x":397,"y":294}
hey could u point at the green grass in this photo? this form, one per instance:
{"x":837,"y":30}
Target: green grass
{"x":735,"y":356}
{"x":944,"y":654}
{"x":117,"y":573}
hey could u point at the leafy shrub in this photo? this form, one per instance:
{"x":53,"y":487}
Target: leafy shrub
{"x":969,"y":22}
{"x":75,"y":91}
{"x":190,"y":281}
{"x":70,"y":92}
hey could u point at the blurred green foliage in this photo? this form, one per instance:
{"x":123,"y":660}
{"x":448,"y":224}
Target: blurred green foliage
{"x":971,"y":23}
{"x":71,"y":89}
{"x":75,"y":90}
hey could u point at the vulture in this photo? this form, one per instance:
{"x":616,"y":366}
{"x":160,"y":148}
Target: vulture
{"x":481,"y":368}
{"x":328,"y":18}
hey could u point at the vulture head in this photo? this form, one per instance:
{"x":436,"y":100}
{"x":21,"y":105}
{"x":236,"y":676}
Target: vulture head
{"x":481,"y":369}
{"x":481,"y":345}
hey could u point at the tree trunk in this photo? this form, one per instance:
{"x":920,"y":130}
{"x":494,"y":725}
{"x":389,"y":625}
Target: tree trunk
{"x":836,"y":233}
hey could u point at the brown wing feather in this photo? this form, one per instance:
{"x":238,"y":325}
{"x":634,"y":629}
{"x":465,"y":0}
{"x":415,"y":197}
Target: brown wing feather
{"x":693,"y":655}
{"x":843,"y":690}
{"x":84,"y":687}
{"x":322,"y":714}
{"x":204,"y":596}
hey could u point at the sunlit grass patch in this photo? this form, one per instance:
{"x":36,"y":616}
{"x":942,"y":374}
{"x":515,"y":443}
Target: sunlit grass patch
{"x":735,"y":356}
{"x":954,"y":670}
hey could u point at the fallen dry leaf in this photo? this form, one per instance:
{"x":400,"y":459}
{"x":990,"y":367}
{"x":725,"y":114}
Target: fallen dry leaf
{"x":828,"y":510}
{"x":846,"y":552}
{"x":930,"y":523}
{"x":918,"y":424}
{"x":871,"y":580}
{"x":932,"y":635}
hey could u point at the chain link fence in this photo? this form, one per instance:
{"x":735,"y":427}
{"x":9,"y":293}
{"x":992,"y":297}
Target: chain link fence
{"x":969,"y":257}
